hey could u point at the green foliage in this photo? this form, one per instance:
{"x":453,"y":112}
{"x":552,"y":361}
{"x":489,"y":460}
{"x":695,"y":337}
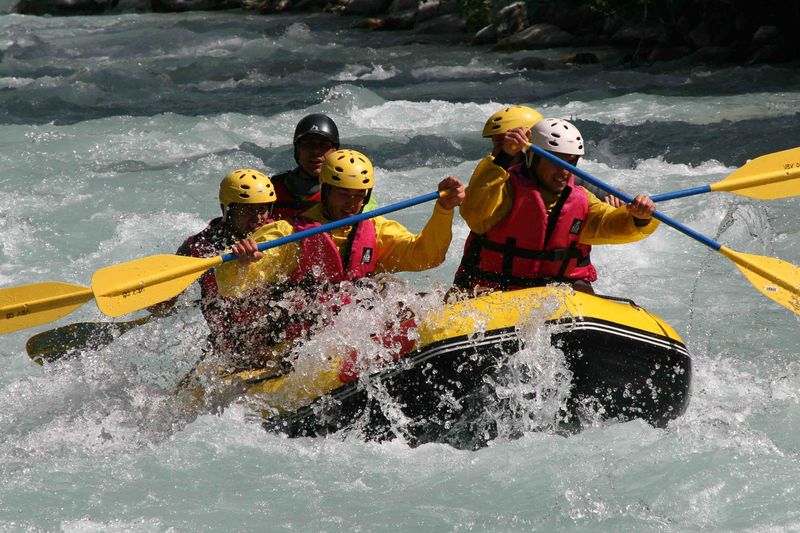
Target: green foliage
{"x":476,"y":12}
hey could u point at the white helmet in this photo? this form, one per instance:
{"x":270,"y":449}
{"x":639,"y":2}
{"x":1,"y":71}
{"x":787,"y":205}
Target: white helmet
{"x":557,"y":135}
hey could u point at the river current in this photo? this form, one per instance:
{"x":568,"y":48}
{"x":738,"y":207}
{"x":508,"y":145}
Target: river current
{"x":114,"y":134}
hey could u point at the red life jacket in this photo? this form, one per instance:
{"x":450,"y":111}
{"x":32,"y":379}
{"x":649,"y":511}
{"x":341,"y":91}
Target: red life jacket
{"x":227,"y":318}
{"x":320,"y":258}
{"x":529,"y":248}
{"x":287,"y":205}
{"x":208,"y":243}
{"x":312,"y":290}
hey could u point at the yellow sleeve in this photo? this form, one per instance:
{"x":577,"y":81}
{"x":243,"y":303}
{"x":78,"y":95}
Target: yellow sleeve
{"x":488,"y":199}
{"x":236,"y":278}
{"x":399,"y":250}
{"x":609,"y":225}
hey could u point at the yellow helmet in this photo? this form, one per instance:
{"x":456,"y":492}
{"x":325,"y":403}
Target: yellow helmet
{"x":347,"y":169}
{"x":246,"y":186}
{"x":517,"y":116}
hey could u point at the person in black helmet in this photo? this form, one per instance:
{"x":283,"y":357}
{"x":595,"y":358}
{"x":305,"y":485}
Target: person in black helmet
{"x":315,"y":136}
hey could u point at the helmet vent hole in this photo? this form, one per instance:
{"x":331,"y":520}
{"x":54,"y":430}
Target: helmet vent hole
{"x":556,"y":135}
{"x":244,"y":195}
{"x":552,"y":143}
{"x":244,"y":186}
{"x":339,"y":169}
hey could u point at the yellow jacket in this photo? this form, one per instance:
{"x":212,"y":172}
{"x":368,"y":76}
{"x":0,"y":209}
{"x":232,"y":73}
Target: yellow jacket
{"x":398,"y":250}
{"x":489,"y":199}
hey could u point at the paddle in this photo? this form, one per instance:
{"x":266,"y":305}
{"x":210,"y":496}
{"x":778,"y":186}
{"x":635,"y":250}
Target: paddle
{"x":57,"y":343}
{"x":774,"y":278}
{"x":27,"y":306}
{"x":768,"y":177}
{"x":128,"y":287}
{"x":54,"y":344}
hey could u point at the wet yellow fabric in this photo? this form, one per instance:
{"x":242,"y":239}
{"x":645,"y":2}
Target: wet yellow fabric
{"x":398,"y":250}
{"x":489,"y":199}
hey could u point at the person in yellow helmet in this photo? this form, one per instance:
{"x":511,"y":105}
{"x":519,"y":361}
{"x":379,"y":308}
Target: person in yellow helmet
{"x":516,"y":121}
{"x":529,"y":221}
{"x":346,"y":254}
{"x":246,"y":197}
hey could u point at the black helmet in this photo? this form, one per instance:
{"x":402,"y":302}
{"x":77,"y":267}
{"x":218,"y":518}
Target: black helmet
{"x":317,"y":124}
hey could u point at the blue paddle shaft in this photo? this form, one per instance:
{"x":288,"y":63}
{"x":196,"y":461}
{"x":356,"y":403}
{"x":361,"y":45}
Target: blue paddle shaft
{"x":349,"y":221}
{"x":681,"y":194}
{"x":619,"y":194}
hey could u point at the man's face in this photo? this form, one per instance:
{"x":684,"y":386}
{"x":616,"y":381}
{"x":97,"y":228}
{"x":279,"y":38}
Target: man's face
{"x":342,"y":203}
{"x":552,"y":176}
{"x":311,"y":152}
{"x":246,"y":218}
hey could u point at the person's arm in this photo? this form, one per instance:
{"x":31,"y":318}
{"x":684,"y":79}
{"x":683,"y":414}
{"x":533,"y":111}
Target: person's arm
{"x":255,"y":269}
{"x":601,"y":194}
{"x":488,"y":198}
{"x":399,"y":250}
{"x":608,"y":225}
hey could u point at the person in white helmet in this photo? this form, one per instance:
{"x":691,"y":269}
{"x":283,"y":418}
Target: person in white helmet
{"x":522,"y":119}
{"x":528,"y":220}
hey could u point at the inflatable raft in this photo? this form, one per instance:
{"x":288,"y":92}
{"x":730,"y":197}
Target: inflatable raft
{"x":624,"y":361}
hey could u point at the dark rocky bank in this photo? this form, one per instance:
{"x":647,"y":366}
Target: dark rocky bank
{"x":613,"y":32}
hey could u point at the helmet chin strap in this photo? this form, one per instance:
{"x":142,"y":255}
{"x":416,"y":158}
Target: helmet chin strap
{"x":530,"y":157}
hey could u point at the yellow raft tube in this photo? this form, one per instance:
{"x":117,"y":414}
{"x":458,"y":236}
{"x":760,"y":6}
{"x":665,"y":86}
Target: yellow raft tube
{"x":625,"y":362}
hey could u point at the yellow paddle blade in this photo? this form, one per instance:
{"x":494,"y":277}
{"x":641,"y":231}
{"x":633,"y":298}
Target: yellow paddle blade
{"x":122,"y":289}
{"x":39,"y":303}
{"x":768,"y":177}
{"x":774,"y":278}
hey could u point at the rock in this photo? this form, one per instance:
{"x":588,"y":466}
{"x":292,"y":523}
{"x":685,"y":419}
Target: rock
{"x":636,"y":34}
{"x":401,"y":21}
{"x":448,"y":7}
{"x":770,"y":53}
{"x":766,"y":35}
{"x":64,"y":7}
{"x":268,"y":6}
{"x":512,"y":19}
{"x":536,"y":36}
{"x":369,"y":23}
{"x":498,"y":6}
{"x":668,"y":53}
{"x":402,"y":6}
{"x":445,"y":24}
{"x":486,"y":35}
{"x":700,"y":36}
{"x":302,"y":5}
{"x":365,"y":8}
{"x":427,"y":10}
{"x":176,"y":6}
{"x":713,"y":54}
